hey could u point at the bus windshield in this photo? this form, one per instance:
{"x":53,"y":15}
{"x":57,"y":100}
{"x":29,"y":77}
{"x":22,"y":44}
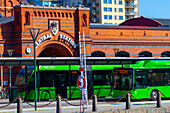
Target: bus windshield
{"x":123,"y":79}
{"x":22,"y":77}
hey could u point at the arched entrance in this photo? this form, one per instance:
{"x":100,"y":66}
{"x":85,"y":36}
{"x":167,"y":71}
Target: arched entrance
{"x":55,"y":50}
{"x":56,"y":79}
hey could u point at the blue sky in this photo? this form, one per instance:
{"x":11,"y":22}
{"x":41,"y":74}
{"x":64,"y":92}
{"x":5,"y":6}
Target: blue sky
{"x":154,"y":8}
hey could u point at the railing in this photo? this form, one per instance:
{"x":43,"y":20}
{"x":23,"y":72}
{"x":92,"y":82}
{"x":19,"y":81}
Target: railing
{"x":94,"y":12}
{"x":130,"y":6}
{"x":94,"y":19}
{"x":94,"y":4}
{"x":58,"y":99}
{"x":129,"y":13}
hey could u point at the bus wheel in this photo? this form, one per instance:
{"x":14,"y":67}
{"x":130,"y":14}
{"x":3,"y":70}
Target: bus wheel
{"x":153,"y":94}
{"x":45,"y":95}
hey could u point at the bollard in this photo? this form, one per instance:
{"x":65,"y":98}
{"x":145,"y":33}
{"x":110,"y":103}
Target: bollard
{"x":94,"y":103}
{"x":158,"y":99}
{"x":58,"y":110}
{"x":128,"y":104}
{"x":19,"y":105}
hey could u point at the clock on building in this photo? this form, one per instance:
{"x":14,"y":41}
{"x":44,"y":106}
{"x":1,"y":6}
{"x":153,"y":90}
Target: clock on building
{"x":28,"y":50}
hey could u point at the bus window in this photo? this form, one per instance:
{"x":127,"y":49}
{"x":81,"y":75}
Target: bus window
{"x":47,"y":79}
{"x":101,"y":77}
{"x":74,"y":78}
{"x":123,"y":79}
{"x":21,"y":78}
{"x":165,"y":76}
{"x":154,"y":77}
{"x":140,"y":78}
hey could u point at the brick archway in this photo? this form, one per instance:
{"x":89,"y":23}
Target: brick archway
{"x":53,"y":49}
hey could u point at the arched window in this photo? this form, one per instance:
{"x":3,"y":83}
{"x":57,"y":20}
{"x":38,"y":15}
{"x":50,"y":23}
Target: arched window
{"x":62,"y":14}
{"x":51,"y":15}
{"x":70,"y":15}
{"x":11,"y":11}
{"x":66,"y":15}
{"x":55,"y":14}
{"x":58,"y":14}
{"x":165,"y":54}
{"x":16,"y":18}
{"x":43,"y":14}
{"x":122,"y":54}
{"x":47,"y":14}
{"x":39,"y":14}
{"x":98,"y":54}
{"x":35,"y":14}
{"x":145,"y":54}
{"x":27,"y":18}
{"x":84,"y":20}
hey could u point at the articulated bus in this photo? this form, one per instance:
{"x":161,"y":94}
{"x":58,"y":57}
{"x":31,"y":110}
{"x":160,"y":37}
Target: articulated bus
{"x":143,"y":79}
{"x":62,"y":79}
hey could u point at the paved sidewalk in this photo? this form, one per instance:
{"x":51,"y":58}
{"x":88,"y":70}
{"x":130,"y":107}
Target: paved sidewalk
{"x":102,"y":107}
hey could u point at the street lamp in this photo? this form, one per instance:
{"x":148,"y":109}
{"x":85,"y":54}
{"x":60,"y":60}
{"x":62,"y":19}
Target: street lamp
{"x":10,"y":51}
{"x":34,"y":33}
{"x":115,"y":51}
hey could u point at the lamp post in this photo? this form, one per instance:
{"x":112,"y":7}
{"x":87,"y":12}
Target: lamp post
{"x":34,"y":33}
{"x":10,"y":51}
{"x":115,"y":51}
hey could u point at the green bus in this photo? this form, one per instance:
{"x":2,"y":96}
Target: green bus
{"x":62,"y":79}
{"x":143,"y":80}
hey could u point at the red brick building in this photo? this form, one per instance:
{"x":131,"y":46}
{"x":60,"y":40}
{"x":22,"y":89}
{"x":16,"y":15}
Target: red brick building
{"x":59,"y":35}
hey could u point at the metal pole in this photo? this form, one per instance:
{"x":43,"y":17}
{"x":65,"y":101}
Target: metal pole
{"x":10,"y":67}
{"x":85,"y":69}
{"x":35,"y":76}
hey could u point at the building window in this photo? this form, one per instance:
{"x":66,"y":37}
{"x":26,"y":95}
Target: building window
{"x":120,"y":17}
{"x":58,"y":14}
{"x":105,"y":8}
{"x":62,"y":14}
{"x":66,"y":15}
{"x":109,"y":1}
{"x":79,"y":3}
{"x":126,"y":17}
{"x":120,"y":9}
{"x":43,"y":14}
{"x":116,"y":17}
{"x":110,"y":9}
{"x":115,"y":9}
{"x":115,"y":2}
{"x":105,"y":1}
{"x":110,"y":17}
{"x":74,"y":4}
{"x":84,"y":20}
{"x":39,"y":14}
{"x":27,"y":18}
{"x":120,"y":2}
{"x":105,"y":17}
{"x":51,"y":14}
{"x":55,"y":14}
{"x":70,"y":15}
{"x":35,"y":14}
{"x":132,"y":10}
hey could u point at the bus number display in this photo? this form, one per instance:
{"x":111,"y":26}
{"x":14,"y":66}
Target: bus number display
{"x":119,"y":71}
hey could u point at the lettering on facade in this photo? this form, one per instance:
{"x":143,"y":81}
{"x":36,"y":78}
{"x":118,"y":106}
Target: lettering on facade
{"x":42,"y":39}
{"x":61,"y":36}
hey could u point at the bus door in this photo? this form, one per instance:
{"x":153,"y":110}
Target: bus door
{"x":61,"y":85}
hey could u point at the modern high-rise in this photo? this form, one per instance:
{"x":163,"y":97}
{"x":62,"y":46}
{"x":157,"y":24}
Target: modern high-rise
{"x":108,"y":11}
